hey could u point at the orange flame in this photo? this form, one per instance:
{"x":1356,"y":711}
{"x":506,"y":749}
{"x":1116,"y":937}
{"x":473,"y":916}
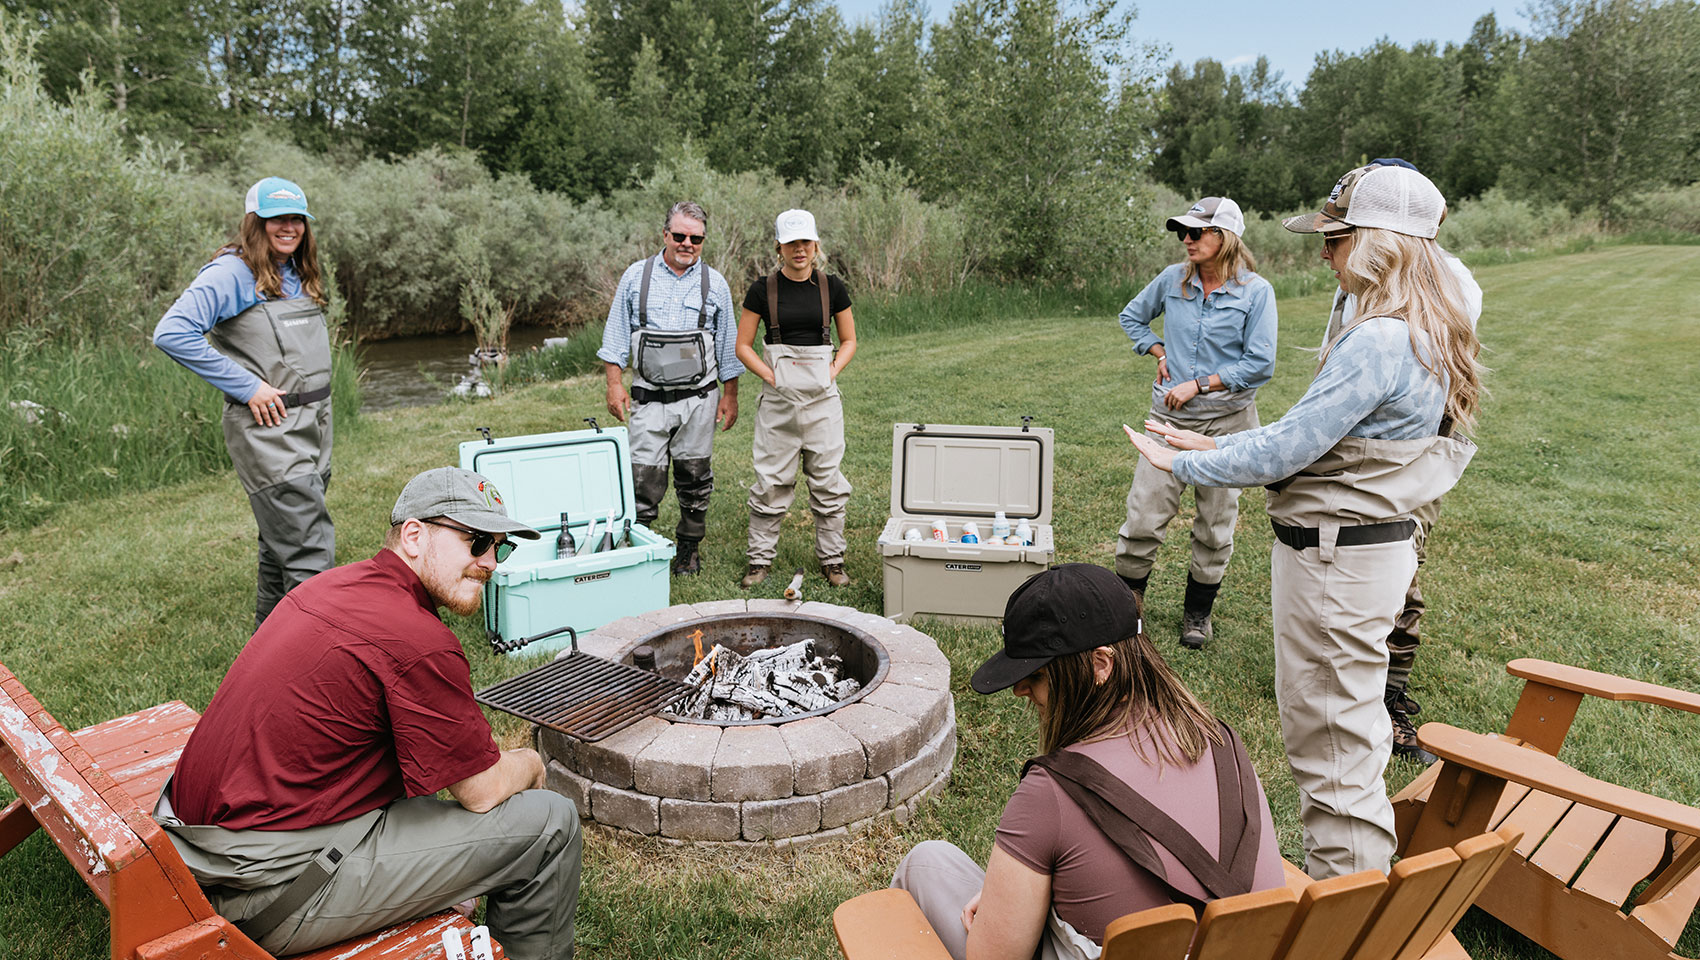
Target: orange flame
{"x":696,"y":638}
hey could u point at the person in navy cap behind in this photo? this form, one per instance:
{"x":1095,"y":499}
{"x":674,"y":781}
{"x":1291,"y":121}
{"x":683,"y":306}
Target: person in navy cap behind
{"x":1115,"y":724}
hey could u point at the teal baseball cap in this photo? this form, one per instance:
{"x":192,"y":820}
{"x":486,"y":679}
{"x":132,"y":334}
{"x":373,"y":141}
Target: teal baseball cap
{"x":276,"y":197}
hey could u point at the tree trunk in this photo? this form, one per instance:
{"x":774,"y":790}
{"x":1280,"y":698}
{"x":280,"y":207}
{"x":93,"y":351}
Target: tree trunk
{"x":120,"y":89}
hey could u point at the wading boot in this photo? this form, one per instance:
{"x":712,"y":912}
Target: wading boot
{"x":1196,"y":629}
{"x":1404,"y":733}
{"x":1399,"y":699}
{"x":835,"y":575}
{"x":687,"y":562}
{"x":756,"y":573}
{"x":1137,"y":585}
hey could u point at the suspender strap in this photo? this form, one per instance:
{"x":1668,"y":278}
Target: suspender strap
{"x":1133,"y":822}
{"x":702,"y":314}
{"x":825,"y":311}
{"x":773,"y":307}
{"x":312,"y":879}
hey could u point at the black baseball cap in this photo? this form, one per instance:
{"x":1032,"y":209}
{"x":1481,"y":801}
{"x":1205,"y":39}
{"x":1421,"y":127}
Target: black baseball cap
{"x":1064,"y":610}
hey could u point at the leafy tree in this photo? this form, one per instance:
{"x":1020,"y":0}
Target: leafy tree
{"x":1227,"y":133}
{"x":1606,"y":101}
{"x":1383,"y":102}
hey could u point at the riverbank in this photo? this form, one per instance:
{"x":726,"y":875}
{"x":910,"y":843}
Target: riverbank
{"x":1571,"y":538}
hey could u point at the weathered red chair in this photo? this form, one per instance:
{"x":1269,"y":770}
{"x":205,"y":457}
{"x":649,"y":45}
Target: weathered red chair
{"x":92,"y":790}
{"x":1405,"y":915}
{"x":1574,"y":883}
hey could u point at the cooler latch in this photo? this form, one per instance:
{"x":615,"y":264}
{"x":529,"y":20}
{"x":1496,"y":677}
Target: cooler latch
{"x":486,"y":432}
{"x":592,"y":422}
{"x":1026,"y":421}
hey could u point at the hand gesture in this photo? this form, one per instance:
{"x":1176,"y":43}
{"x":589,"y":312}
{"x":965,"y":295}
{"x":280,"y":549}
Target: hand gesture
{"x":1178,"y":438}
{"x":267,"y":405}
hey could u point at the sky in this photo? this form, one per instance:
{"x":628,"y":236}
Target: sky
{"x":1291,"y":34}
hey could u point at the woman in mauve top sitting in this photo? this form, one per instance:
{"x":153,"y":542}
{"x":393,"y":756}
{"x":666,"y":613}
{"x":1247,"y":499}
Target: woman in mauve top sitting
{"x":1141,"y":798}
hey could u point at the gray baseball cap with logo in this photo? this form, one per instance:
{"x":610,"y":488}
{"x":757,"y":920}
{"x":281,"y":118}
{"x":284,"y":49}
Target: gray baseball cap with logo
{"x":465,"y":497}
{"x":1219,"y":212}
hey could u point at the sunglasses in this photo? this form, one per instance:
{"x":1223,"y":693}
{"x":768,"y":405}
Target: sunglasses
{"x":694,"y":238}
{"x":1191,"y":233}
{"x":1330,"y":239}
{"x":481,"y":541}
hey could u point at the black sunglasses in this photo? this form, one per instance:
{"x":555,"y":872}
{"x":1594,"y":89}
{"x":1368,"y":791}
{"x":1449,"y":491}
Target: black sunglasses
{"x":481,"y":541}
{"x":694,"y":238}
{"x":1191,"y":233}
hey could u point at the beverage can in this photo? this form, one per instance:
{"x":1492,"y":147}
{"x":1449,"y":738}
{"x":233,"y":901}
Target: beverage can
{"x":970,"y":532}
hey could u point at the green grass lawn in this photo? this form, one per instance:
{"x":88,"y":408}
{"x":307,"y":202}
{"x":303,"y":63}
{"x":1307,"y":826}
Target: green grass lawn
{"x":1572,"y":537}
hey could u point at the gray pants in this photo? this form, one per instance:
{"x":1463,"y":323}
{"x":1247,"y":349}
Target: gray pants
{"x":1155,"y":498}
{"x":942,"y":879}
{"x":1331,"y":623}
{"x":681,"y":432}
{"x":423,"y":855}
{"x":297,"y":539}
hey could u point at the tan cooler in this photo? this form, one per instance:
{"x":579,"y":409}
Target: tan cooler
{"x":958,"y":474}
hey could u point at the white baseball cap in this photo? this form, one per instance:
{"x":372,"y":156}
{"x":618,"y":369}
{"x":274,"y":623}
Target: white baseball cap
{"x":1383,"y":195}
{"x":1211,"y":212}
{"x":795,"y":225}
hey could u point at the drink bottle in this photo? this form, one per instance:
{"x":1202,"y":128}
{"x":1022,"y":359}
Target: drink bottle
{"x":565,"y":546}
{"x":1000,"y":524}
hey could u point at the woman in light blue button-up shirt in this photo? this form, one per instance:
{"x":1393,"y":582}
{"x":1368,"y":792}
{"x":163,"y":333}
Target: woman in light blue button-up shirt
{"x":1217,"y":347}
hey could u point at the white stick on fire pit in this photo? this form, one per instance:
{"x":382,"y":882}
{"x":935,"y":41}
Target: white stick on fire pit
{"x":776,"y":682}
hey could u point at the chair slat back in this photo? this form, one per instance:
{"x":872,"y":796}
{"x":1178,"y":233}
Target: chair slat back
{"x":1246,"y":927}
{"x":1480,"y":856}
{"x":1330,"y":915}
{"x":1160,"y":933}
{"x":1412,"y":884}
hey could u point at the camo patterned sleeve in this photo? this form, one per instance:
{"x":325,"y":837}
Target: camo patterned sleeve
{"x":1372,"y":386}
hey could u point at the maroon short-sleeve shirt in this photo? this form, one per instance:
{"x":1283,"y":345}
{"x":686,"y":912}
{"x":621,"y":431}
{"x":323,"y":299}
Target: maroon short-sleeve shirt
{"x":352,"y":694}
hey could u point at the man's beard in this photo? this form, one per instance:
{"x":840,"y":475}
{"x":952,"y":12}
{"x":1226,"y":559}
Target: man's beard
{"x":442,"y":582}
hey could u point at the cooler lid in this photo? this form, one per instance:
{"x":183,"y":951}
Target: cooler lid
{"x":963,"y":471}
{"x":583,"y":472}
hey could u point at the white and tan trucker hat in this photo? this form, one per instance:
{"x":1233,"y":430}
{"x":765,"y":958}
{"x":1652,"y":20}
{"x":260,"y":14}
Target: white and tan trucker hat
{"x":1388,"y":196}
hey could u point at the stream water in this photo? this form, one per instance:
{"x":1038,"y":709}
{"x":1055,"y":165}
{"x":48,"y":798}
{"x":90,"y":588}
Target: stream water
{"x":419,"y":371}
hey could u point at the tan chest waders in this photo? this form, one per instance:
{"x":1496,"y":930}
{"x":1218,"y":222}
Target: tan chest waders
{"x":674,"y":373}
{"x":1339,"y":572}
{"x":799,"y":422}
{"x":283,"y":469}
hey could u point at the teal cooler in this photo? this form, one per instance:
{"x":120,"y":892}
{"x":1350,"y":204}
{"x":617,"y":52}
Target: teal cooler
{"x":584,"y":473}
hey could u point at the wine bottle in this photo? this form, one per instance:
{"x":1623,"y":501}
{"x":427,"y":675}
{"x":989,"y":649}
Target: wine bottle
{"x":565,"y":546}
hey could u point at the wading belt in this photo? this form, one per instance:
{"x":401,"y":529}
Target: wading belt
{"x":290,"y":400}
{"x":773,"y":308}
{"x":1133,"y":822}
{"x":646,"y":395}
{"x":643,"y":295}
{"x":1363,"y":534}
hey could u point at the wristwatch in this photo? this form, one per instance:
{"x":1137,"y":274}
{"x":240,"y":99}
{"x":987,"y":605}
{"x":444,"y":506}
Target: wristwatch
{"x":1203,"y":384}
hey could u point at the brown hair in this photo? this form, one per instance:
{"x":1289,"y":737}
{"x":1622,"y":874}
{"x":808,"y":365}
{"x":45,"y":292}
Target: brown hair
{"x":1141,"y":691}
{"x":255,"y":249}
{"x":1233,"y":261}
{"x":1407,"y":277}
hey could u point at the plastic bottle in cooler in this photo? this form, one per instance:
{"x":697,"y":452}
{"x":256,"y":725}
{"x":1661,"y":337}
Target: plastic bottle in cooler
{"x":1024,"y":533}
{"x":1000,"y":525}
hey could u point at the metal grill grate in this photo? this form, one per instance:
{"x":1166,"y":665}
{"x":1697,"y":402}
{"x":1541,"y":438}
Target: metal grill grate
{"x":584,"y":696}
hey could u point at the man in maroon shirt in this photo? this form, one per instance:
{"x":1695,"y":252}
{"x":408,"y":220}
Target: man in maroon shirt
{"x":305,"y":799}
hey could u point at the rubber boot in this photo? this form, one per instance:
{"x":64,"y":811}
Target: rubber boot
{"x":686,"y":561}
{"x":1196,"y":630}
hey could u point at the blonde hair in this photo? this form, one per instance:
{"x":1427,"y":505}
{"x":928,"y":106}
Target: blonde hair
{"x":819,"y":262}
{"x":1407,"y":277}
{"x":1233,"y":261}
{"x":1140,"y":692}
{"x":255,"y":249}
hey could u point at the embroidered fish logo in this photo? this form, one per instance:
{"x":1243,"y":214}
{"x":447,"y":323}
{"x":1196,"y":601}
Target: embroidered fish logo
{"x":283,"y":195}
{"x":491,"y":497}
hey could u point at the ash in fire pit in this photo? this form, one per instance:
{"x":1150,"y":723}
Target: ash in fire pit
{"x":765,"y":684}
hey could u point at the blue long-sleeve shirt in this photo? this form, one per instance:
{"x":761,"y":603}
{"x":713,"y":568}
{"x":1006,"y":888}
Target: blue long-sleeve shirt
{"x":1372,"y":386}
{"x":674,"y":302}
{"x":224,"y":288}
{"x":1230,"y":333}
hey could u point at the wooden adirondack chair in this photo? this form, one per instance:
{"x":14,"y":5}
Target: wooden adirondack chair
{"x":1405,"y":915}
{"x":91,"y":790}
{"x":1571,"y":884}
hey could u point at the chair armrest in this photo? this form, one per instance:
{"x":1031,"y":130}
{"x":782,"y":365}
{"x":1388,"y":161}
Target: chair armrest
{"x":885,"y":925}
{"x":1606,"y":686}
{"x":1541,"y":771}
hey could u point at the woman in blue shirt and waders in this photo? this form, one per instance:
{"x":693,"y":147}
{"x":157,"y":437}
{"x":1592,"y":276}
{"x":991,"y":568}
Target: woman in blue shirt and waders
{"x":1217,"y":348}
{"x":260,"y":302}
{"x":1349,"y":468}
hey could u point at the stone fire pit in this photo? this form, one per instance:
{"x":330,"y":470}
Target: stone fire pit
{"x":780,"y":782}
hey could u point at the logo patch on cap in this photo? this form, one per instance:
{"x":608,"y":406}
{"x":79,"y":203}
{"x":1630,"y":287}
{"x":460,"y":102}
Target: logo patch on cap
{"x":491,"y":497}
{"x":1196,"y":208}
{"x":282,"y":195}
